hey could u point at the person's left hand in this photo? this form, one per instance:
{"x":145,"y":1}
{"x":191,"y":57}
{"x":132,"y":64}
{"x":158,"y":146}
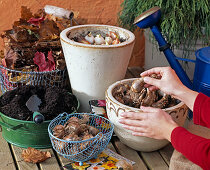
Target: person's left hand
{"x":152,"y":122}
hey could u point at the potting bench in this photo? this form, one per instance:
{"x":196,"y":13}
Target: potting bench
{"x":10,"y":155}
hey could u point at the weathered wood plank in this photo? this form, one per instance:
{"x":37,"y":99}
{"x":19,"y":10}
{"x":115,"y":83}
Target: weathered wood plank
{"x":51,"y":163}
{"x":130,"y":154}
{"x":154,"y":161}
{"x":167,"y":152}
{"x":6,"y":160}
{"x":111,"y":147}
{"x":20,"y":163}
{"x":63,"y":160}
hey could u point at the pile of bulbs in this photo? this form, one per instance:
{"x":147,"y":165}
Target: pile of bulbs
{"x":75,"y":129}
{"x":136,"y":95}
{"x":111,"y":39}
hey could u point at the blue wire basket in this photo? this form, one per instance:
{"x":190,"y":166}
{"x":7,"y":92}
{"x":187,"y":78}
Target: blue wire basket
{"x":81,"y":151}
{"x":10,"y":79}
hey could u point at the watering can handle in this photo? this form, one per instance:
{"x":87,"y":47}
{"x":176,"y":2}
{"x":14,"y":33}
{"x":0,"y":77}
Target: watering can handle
{"x":171,"y":57}
{"x":185,"y":59}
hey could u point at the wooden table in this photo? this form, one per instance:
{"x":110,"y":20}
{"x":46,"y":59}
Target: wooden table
{"x":10,"y":155}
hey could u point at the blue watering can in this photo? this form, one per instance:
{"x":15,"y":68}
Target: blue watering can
{"x":201,"y":80}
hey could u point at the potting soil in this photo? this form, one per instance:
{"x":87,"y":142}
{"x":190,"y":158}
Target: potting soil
{"x":55,"y":100}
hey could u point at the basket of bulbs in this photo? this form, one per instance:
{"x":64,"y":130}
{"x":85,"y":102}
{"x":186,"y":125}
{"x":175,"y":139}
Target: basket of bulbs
{"x":80,"y":136}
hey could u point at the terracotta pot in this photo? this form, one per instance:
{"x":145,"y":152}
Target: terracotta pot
{"x":92,"y":68}
{"x":177,"y":112}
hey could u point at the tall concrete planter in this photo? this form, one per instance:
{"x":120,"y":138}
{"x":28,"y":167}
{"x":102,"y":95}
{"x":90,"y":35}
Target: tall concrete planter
{"x":155,"y":58}
{"x":92,"y":68}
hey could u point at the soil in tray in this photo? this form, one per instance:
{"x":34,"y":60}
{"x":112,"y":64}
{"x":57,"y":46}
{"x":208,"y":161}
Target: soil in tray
{"x":54,"y":101}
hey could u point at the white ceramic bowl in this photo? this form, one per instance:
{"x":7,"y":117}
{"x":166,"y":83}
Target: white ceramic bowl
{"x":92,"y":68}
{"x":113,"y":107}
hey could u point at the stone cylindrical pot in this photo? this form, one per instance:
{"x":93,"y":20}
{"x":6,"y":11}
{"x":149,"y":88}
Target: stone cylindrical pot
{"x":140,"y":143}
{"x":92,"y":68}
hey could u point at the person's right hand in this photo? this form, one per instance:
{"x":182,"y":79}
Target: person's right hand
{"x":169,"y":82}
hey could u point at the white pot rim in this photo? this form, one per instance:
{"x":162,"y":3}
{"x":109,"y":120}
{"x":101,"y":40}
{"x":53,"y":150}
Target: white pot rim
{"x":109,"y":95}
{"x":65,"y":32}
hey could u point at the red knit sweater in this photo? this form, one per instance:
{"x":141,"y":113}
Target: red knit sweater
{"x":195,"y":148}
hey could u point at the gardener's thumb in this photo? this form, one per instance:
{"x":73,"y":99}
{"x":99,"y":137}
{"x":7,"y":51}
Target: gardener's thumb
{"x":152,"y":81}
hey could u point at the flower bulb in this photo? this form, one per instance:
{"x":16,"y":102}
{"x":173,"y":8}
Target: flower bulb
{"x":99,"y":40}
{"x":108,"y":40}
{"x":90,"y":38}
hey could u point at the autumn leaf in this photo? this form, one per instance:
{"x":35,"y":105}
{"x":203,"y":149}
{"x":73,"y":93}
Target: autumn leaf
{"x":44,"y":65}
{"x":48,"y":30}
{"x":34,"y":155}
{"x":51,"y":62}
{"x":26,"y":14}
{"x":36,"y":21}
{"x":10,"y":58}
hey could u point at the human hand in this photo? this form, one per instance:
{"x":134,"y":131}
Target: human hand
{"x":152,"y":122}
{"x":168,"y":83}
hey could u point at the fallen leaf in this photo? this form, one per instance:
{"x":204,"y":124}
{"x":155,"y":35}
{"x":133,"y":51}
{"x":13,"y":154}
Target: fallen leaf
{"x":21,"y":35}
{"x":48,"y":30}
{"x":44,"y":65}
{"x":10,"y":58}
{"x":39,"y":60}
{"x":26,"y":38}
{"x":51,"y":62}
{"x":26,"y":13}
{"x":36,"y":21}
{"x":40,"y":13}
{"x":61,"y":64}
{"x":34,"y":155}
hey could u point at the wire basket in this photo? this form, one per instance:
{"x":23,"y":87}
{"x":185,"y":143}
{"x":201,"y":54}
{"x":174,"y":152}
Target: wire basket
{"x":10,"y":79}
{"x":81,"y":151}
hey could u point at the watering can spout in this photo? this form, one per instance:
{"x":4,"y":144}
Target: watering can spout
{"x":149,"y":19}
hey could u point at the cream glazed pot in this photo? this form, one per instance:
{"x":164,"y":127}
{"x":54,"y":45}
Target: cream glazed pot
{"x":145,"y":144}
{"x":92,"y":68}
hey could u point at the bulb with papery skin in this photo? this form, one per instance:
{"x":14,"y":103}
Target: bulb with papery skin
{"x":85,"y":42}
{"x":113,"y":35}
{"x":90,"y":38}
{"x":116,"y":41}
{"x":108,"y":40}
{"x":99,"y":40}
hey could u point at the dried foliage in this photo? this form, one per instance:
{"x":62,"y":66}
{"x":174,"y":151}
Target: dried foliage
{"x":34,"y":33}
{"x":34,"y":155}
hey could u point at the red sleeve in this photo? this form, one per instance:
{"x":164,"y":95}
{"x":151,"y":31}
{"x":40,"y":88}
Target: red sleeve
{"x":201,"y":110}
{"x":193,"y":147}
